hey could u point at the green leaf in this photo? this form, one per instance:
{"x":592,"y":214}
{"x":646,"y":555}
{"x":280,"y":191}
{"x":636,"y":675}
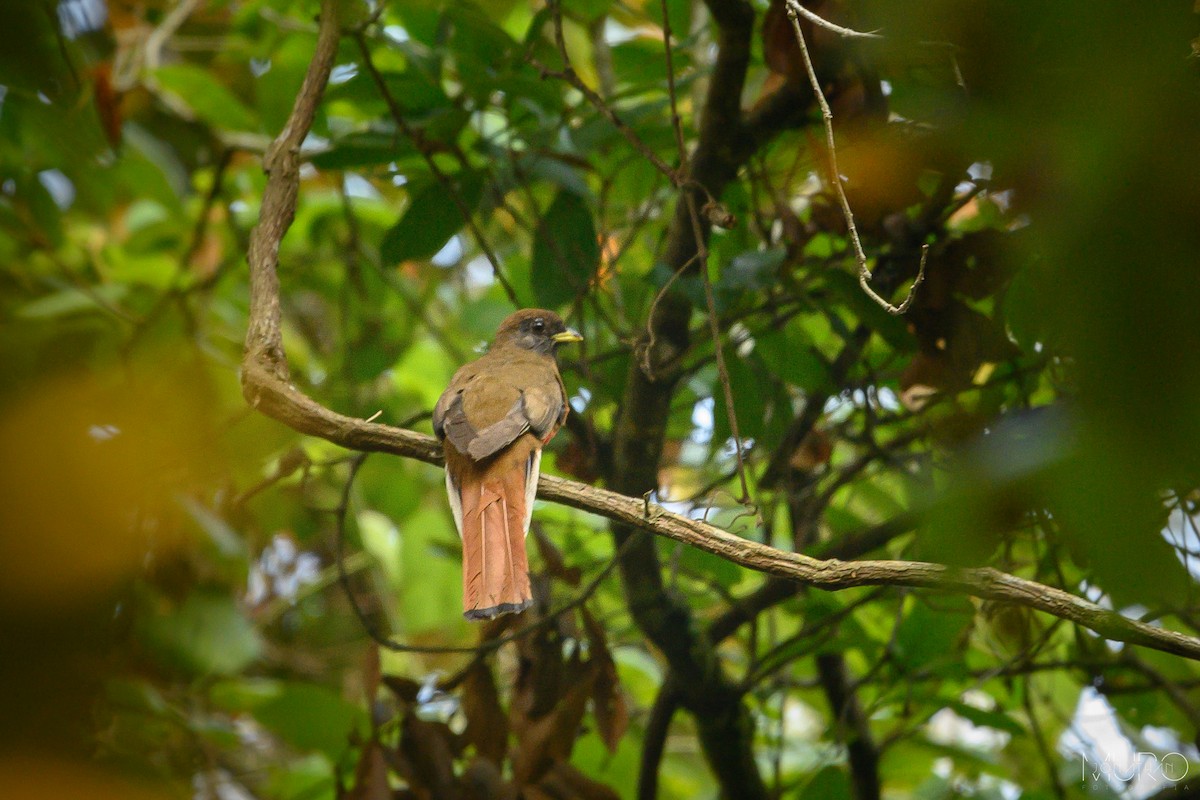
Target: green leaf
{"x":364,"y":150}
{"x":830,"y":783}
{"x":311,"y":717}
{"x":244,"y":694}
{"x":42,"y":208}
{"x":990,"y":719}
{"x":206,"y":97}
{"x":72,"y":300}
{"x":309,"y":778}
{"x":706,"y":565}
{"x":928,"y":635}
{"x":788,"y":354}
{"x":226,"y":541}
{"x":893,"y":329}
{"x":753,"y":269}
{"x":565,"y":251}
{"x":207,"y":635}
{"x":430,"y":219}
{"x":750,"y":393}
{"x":381,"y":539}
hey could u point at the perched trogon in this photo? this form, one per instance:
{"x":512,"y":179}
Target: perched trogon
{"x":493,"y":420}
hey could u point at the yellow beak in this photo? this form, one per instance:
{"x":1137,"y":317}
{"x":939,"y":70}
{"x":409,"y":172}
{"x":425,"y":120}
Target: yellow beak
{"x":567,"y":336}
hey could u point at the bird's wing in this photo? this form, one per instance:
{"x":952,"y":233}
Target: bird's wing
{"x":482,"y":413}
{"x":449,"y":407}
{"x":501,"y":434}
{"x":544,"y":407}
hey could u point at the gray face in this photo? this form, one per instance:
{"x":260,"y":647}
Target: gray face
{"x":537,"y":333}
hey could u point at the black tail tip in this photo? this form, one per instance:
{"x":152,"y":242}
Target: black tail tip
{"x":476,"y":614}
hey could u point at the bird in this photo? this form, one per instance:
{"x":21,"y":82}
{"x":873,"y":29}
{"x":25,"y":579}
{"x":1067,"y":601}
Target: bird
{"x":493,"y":420}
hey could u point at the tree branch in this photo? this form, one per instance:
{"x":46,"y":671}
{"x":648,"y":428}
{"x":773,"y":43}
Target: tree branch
{"x":852,"y":725}
{"x":654,"y":740}
{"x":266,"y":386}
{"x":264,"y":340}
{"x":290,"y":406}
{"x":835,"y":177}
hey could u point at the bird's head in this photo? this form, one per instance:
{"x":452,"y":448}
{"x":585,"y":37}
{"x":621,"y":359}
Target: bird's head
{"x":534,"y":329}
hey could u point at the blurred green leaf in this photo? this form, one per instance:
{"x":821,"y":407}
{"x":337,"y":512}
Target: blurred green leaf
{"x":207,"y":97}
{"x":752,"y":270}
{"x":990,"y":719}
{"x":207,"y":635}
{"x":786,"y":353}
{"x":311,"y":717}
{"x":71,"y":301}
{"x":363,"y":150}
{"x":565,"y":251}
{"x":829,"y":783}
{"x":431,"y":218}
{"x":928,"y":636}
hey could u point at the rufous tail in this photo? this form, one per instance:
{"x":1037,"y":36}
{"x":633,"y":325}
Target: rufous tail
{"x":495,"y":568}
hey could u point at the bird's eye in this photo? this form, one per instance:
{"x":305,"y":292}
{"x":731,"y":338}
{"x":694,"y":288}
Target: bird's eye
{"x":539,"y":325}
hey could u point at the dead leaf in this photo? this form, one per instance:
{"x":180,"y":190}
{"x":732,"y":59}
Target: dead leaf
{"x":608,"y":701}
{"x":108,"y":102}
{"x":481,"y":780}
{"x":564,"y":781}
{"x":552,"y":558}
{"x":487,"y":724}
{"x":548,"y":739}
{"x":427,"y":758}
{"x":405,"y":689}
{"x":372,"y":674}
{"x":370,"y":776}
{"x":815,"y":450}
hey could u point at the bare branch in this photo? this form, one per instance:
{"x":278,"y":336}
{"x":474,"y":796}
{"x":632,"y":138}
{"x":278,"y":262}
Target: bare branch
{"x":821,"y":22}
{"x":264,"y":341}
{"x":568,"y":74}
{"x":290,"y":406}
{"x":466,"y":213}
{"x":835,"y":176}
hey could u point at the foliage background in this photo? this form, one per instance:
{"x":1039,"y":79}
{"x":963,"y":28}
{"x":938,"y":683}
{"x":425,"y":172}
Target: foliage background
{"x":171,"y":611}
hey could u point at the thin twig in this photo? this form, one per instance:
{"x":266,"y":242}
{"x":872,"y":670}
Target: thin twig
{"x":568,"y":74}
{"x":468,"y":214}
{"x":648,"y":347}
{"x":835,"y":176}
{"x":702,"y":257}
{"x":719,"y":352}
{"x":675,"y":121}
{"x":821,"y":22}
{"x":479,"y":650}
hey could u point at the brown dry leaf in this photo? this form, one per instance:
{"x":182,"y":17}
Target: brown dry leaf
{"x":33,"y":777}
{"x":108,"y":102}
{"x":207,"y":258}
{"x":481,"y":780}
{"x":608,"y":701}
{"x":552,"y":558}
{"x":565,"y":782}
{"x":814,"y":450}
{"x":548,"y":739}
{"x":370,"y":776}
{"x":427,"y":750}
{"x":487,"y":724}
{"x":372,"y":674}
{"x":405,"y":689}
